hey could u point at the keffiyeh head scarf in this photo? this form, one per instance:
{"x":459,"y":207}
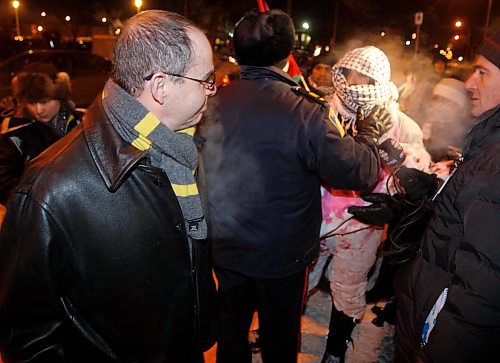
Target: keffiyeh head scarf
{"x":369,"y":61}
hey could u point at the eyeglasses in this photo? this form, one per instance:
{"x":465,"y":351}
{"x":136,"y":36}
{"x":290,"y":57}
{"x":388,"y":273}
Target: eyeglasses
{"x":208,"y":83}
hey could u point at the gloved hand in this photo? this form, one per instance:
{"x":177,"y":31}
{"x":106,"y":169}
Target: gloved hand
{"x":382,"y":210}
{"x":375,"y":124}
{"x":391,"y":153}
{"x":417,"y":184}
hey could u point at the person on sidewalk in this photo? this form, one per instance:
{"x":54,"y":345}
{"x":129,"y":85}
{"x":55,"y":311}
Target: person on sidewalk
{"x":269,"y":147}
{"x":103,"y":255}
{"x":448,"y":305}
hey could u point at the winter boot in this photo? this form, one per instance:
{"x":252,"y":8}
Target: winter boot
{"x":339,"y":335}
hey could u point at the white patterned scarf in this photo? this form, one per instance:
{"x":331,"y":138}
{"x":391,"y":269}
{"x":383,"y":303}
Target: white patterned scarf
{"x":369,"y":61}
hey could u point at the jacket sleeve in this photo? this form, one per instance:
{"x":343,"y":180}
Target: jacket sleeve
{"x":470,"y":320}
{"x":11,"y":167}
{"x":342,"y":161}
{"x":33,"y":273}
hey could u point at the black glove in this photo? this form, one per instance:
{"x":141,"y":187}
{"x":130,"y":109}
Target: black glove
{"x":417,"y":184}
{"x":391,"y":153}
{"x":375,"y":124}
{"x":382,"y":210}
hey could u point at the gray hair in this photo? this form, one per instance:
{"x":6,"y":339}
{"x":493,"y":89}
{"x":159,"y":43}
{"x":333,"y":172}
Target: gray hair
{"x":152,"y":41}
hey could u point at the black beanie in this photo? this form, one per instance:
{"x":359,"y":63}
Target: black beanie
{"x":263,"y":39}
{"x":491,"y":48}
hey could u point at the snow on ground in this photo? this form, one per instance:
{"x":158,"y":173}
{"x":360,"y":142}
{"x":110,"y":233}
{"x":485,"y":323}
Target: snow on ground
{"x":371,"y":343}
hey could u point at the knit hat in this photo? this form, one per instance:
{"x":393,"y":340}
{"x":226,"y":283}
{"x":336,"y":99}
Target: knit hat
{"x":263,"y":39}
{"x":453,"y":90}
{"x":41,"y":82}
{"x":491,"y":48}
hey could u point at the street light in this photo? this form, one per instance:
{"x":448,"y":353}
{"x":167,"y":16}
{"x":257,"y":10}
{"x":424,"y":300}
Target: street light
{"x":138,"y":4}
{"x":15,"y":5}
{"x":305,"y":25}
{"x":463,"y":34}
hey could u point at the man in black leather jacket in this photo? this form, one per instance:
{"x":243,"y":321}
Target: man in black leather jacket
{"x":102,"y":253}
{"x":269,"y":146}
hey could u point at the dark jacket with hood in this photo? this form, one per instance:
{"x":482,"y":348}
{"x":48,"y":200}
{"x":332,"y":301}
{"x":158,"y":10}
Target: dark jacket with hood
{"x":95,"y":262}
{"x":266,"y":155}
{"x":22,"y":139}
{"x":460,"y":251}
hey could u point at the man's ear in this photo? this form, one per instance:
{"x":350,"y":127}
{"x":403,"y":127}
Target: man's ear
{"x":159,"y":88}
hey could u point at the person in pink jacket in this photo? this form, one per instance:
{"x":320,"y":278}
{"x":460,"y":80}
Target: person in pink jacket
{"x":362,"y":85}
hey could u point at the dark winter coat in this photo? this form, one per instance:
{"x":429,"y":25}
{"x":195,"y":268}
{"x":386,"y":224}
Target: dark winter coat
{"x":266,"y":156}
{"x":22,"y":139}
{"x":460,"y":251}
{"x":95,"y":262}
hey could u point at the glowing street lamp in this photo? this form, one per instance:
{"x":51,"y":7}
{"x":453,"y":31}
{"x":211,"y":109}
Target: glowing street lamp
{"x":458,"y":24}
{"x":43,"y":14}
{"x":67,"y":18}
{"x":305,"y":25}
{"x":15,"y":5}
{"x":138,"y":4}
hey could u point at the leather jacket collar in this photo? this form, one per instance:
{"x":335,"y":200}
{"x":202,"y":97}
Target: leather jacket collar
{"x":112,"y":155}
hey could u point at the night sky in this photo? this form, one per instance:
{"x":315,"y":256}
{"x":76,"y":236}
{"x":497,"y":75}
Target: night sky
{"x":354,"y":16}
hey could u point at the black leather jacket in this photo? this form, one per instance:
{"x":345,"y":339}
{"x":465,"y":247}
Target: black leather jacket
{"x":95,"y":263}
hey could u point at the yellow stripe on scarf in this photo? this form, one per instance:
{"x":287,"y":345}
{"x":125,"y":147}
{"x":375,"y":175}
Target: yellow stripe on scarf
{"x":144,"y":128}
{"x":185,"y":190}
{"x":190,"y":131}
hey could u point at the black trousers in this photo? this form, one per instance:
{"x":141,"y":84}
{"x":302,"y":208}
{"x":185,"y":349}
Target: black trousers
{"x":279,"y":305}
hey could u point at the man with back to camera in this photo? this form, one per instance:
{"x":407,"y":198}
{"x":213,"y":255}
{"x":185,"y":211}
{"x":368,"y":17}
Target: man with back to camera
{"x":102,"y":254}
{"x":448,"y":301}
{"x":268,"y":149}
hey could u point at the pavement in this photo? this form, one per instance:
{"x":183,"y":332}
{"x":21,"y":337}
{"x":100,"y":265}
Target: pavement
{"x":370,"y":343}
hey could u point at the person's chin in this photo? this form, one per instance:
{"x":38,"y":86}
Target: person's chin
{"x":194,"y":120}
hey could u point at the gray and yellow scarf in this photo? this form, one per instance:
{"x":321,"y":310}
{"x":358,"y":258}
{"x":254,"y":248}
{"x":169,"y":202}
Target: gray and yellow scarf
{"x":174,"y":152}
